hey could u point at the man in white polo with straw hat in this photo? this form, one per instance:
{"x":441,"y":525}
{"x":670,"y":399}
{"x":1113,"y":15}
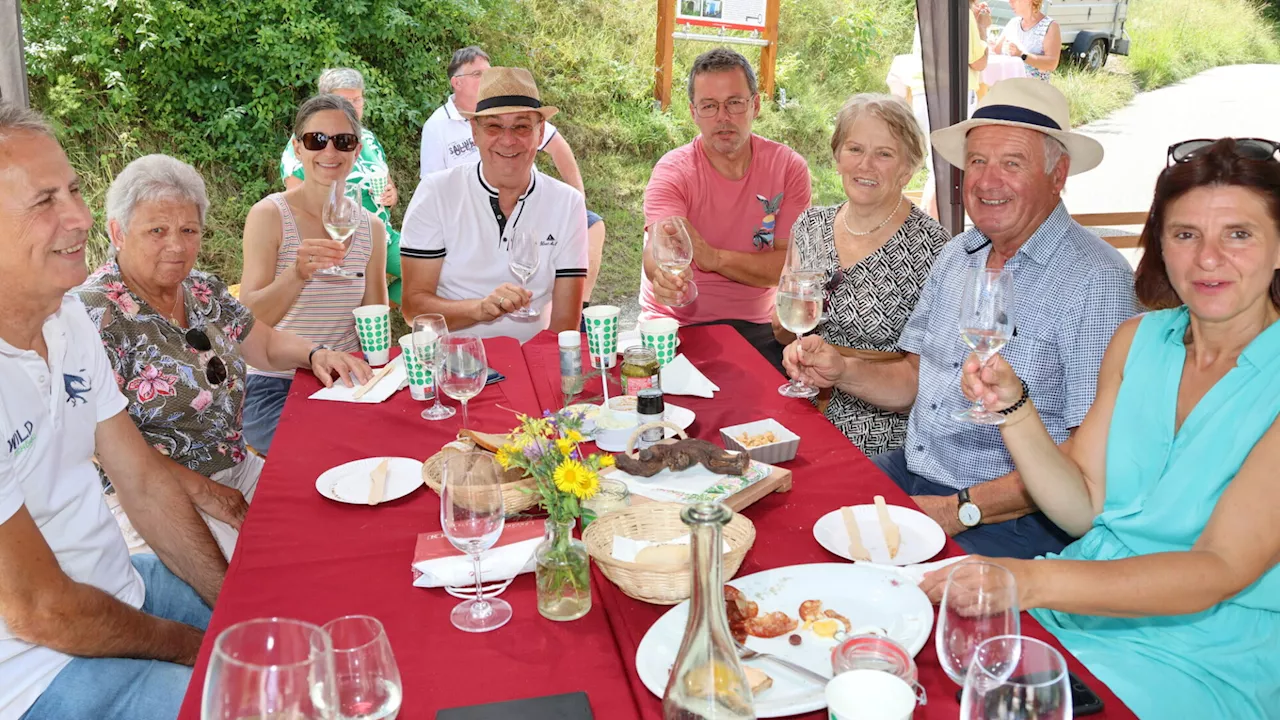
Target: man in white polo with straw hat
{"x":1071,"y":290}
{"x":464,"y":224}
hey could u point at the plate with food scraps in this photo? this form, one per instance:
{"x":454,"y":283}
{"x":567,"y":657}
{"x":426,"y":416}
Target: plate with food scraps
{"x":623,"y":415}
{"x":920,"y":538}
{"x":351,"y":482}
{"x":868,"y":598}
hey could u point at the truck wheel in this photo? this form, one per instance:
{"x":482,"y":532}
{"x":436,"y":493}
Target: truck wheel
{"x":1096,"y":57}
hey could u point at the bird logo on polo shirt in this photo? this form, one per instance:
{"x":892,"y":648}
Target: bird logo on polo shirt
{"x":77,"y":387}
{"x":763,"y":236}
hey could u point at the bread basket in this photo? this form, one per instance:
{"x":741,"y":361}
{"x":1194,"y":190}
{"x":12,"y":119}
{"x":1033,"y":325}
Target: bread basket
{"x":658,"y":522}
{"x":517,"y":495}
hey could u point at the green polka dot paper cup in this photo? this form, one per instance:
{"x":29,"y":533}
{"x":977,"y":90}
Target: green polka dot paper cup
{"x":373,"y":325}
{"x":602,"y":334}
{"x":661,"y":336}
{"x":419,"y":372}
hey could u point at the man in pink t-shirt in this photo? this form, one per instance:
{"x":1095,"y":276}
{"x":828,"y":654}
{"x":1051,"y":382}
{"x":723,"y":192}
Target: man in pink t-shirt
{"x":737,"y":195}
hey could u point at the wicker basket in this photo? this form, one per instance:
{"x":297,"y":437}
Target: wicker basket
{"x":656,"y":522}
{"x":515,"y":500}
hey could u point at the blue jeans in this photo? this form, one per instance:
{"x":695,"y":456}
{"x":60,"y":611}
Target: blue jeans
{"x":124,"y":688}
{"x":263,"y":401}
{"x":1026,"y":537}
{"x":592,"y":218}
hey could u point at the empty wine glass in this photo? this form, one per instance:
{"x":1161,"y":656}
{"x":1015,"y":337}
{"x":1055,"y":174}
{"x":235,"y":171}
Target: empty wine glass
{"x":472,"y":515}
{"x":799,"y":305}
{"x":523,"y":257}
{"x":428,"y":329}
{"x":673,"y":252}
{"x":368,"y":680}
{"x":271,"y":668}
{"x":341,"y":218}
{"x":464,"y":368}
{"x":1016,"y":678}
{"x":986,"y":323}
{"x":979,"y":602}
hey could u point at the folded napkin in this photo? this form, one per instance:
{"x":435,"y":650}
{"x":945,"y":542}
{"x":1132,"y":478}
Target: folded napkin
{"x":915,"y":573}
{"x":437,"y":563}
{"x":680,"y":377}
{"x":385,"y":388}
{"x":626,"y":549}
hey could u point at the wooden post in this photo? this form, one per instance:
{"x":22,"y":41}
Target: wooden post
{"x":769,"y":53}
{"x":663,"y":63}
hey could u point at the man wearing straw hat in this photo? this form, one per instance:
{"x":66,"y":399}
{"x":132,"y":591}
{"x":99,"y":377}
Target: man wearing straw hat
{"x":1071,"y":291}
{"x":461,"y":223}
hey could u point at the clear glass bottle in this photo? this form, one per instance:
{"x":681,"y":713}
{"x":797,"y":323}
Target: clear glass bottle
{"x":707,"y":681}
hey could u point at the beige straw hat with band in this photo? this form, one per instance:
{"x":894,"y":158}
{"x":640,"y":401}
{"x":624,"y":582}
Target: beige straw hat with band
{"x":1025,"y":103}
{"x":506,"y":90}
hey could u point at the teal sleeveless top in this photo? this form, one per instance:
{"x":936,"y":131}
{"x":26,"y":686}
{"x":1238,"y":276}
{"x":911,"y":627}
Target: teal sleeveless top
{"x":1162,"y":487}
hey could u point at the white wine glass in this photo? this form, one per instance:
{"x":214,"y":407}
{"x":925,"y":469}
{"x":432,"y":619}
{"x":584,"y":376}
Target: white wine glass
{"x":428,"y":330}
{"x":799,"y":306}
{"x":367,"y":677}
{"x":341,"y":219}
{"x":673,"y":252}
{"x":1016,"y":678}
{"x":979,"y":602}
{"x":472,"y":515}
{"x":523,"y":259}
{"x":271,"y":668}
{"x":464,"y":368}
{"x":796,"y":263}
{"x":986,"y":324}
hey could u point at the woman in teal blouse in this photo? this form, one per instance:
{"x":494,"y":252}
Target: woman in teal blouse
{"x":1171,"y":595}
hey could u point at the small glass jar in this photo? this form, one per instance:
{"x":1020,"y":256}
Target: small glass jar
{"x":876,"y":652}
{"x":639,"y":369}
{"x":612,"y":496}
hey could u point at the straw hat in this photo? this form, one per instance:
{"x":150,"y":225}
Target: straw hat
{"x":509,"y":90}
{"x":1024,"y":103}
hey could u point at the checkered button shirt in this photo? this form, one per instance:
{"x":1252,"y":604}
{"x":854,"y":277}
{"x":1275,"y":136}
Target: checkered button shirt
{"x":1071,"y":291}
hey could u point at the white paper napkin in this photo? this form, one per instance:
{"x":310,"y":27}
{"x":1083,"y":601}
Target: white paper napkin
{"x":385,"y":388}
{"x":680,"y":377}
{"x":916,"y":572}
{"x":498,"y":563}
{"x":626,"y":549}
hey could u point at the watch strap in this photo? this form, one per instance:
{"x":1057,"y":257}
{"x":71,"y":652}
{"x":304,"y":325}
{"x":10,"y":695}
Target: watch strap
{"x":311,"y":355}
{"x":963,"y":497}
{"x":1024,"y":57}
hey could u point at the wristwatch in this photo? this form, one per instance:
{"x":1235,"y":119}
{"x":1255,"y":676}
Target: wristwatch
{"x":311,"y":355}
{"x":1024,"y":57}
{"x":969,"y":513}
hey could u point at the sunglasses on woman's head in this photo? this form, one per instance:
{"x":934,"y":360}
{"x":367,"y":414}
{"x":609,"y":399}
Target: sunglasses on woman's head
{"x":342,"y":142}
{"x":1247,"y":148}
{"x":215,"y":371}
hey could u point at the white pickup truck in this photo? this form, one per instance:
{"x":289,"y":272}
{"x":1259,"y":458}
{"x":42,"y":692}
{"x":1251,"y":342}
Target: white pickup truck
{"x":1091,"y":30}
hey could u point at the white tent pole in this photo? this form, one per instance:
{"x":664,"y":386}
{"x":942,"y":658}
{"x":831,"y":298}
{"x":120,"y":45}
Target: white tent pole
{"x":13,"y":66}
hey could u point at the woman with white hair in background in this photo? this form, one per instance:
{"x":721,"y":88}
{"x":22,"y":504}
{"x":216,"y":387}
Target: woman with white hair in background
{"x":178,"y":341}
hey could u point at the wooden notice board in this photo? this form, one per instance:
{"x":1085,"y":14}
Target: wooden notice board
{"x":677,"y":18}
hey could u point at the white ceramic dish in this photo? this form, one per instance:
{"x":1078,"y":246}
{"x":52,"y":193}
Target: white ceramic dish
{"x":867,"y":596}
{"x":350,"y":482}
{"x":782,"y":450}
{"x":920,"y":538}
{"x":615,"y":439}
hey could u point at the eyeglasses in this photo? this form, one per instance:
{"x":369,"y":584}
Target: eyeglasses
{"x":342,"y":142}
{"x":1247,"y":148}
{"x":215,"y":371}
{"x":735,"y":106}
{"x":472,"y":74}
{"x":521,"y":130}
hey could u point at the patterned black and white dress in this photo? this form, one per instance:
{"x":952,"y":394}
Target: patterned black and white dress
{"x":868,"y":308}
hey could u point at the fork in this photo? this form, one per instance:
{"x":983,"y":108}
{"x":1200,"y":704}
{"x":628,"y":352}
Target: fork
{"x":746,"y":653}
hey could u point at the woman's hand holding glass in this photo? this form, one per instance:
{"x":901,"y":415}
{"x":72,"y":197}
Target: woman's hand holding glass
{"x":994,"y":382}
{"x":316,"y":254}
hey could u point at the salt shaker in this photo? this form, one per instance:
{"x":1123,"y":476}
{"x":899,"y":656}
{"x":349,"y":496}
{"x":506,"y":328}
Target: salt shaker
{"x":651,"y":408}
{"x":570,"y":363}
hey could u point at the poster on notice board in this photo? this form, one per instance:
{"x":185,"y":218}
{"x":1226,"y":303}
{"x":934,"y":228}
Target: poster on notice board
{"x":733,"y":14}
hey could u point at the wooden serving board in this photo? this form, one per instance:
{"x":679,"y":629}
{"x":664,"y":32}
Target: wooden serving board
{"x":779,"y":480}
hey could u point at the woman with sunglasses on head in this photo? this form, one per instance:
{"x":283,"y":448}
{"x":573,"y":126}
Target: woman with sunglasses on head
{"x":1171,"y":596}
{"x":285,"y":247}
{"x":179,"y":342}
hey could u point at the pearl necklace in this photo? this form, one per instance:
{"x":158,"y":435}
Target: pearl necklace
{"x":855,"y":233}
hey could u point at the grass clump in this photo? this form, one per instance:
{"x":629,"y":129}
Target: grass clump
{"x":1175,"y":39}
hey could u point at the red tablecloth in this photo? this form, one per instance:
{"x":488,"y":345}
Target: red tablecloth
{"x":303,"y":556}
{"x":828,"y":472}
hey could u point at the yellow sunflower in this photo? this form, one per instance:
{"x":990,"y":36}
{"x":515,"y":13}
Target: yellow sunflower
{"x":504,"y":455}
{"x":565,"y":446}
{"x":606,"y":461}
{"x":574,"y":436}
{"x":577,"y":479}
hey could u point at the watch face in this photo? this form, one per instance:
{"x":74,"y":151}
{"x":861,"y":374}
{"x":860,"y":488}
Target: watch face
{"x":970,"y":515}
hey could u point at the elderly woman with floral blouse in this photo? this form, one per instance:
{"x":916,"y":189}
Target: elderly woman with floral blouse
{"x":179,"y":341}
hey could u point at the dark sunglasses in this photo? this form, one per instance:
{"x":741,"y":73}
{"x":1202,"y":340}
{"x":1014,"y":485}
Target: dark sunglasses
{"x":1247,"y":148}
{"x":342,"y":142}
{"x":215,"y":371}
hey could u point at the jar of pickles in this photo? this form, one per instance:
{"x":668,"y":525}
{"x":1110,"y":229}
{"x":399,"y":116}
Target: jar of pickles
{"x":639,"y":369}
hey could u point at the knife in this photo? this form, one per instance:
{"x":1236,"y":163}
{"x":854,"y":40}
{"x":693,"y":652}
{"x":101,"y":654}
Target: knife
{"x":379,"y":486}
{"x":373,"y":381}
{"x":892,"y":535}
{"x":857,"y":550}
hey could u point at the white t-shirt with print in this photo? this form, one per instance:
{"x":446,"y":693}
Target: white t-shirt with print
{"x":453,"y":216}
{"x":48,"y":415}
{"x":447,"y":141}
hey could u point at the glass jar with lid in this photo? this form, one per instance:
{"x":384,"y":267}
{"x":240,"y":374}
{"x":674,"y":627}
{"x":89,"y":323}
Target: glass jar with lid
{"x":876,"y":652}
{"x":639,"y":369}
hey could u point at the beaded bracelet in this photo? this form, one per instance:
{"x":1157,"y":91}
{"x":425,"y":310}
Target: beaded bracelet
{"x":1026,"y":393}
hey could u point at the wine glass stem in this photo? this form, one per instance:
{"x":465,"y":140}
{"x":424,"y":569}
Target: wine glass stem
{"x":481,"y":608}
{"x":435,"y":382}
{"x":464,"y":424}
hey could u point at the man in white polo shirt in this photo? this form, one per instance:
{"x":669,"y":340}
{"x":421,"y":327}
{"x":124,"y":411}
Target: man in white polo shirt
{"x":447,"y":142}
{"x":458,"y":229}
{"x":84,"y":632}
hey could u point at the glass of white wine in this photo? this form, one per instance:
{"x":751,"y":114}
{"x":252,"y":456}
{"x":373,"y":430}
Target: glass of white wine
{"x":271,"y":668}
{"x":986,"y":324}
{"x":673,"y":251}
{"x":465,"y":368}
{"x":522,"y":259}
{"x":472,"y":514}
{"x":428,"y":329}
{"x":368,"y":679}
{"x":799,"y":306}
{"x":341,"y":219}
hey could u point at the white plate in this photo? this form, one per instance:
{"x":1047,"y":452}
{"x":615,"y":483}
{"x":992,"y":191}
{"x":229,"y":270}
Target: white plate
{"x":681,"y":417}
{"x":350,"y":482}
{"x":920,"y":537}
{"x":867,"y":596}
{"x":631,"y":338}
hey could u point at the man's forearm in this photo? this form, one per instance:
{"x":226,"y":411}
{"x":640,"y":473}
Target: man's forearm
{"x":1005,"y":498}
{"x":458,"y":314}
{"x":757,"y":269}
{"x":890,"y":386}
